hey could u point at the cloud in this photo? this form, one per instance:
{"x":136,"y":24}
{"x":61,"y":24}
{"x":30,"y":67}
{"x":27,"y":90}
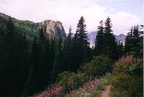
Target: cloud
{"x":122,"y":22}
{"x":69,"y":13}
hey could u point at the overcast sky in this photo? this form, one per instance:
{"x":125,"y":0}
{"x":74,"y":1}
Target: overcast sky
{"x":123,"y":13}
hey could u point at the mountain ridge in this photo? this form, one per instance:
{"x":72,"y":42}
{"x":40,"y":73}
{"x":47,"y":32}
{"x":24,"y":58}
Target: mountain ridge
{"x":92,"y":37}
{"x":53,"y":28}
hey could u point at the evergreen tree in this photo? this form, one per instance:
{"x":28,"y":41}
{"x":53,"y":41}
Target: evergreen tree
{"x":80,"y":32}
{"x":128,"y":41}
{"x":81,"y":37}
{"x":31,"y":85}
{"x":67,"y":51}
{"x":70,"y":33}
{"x":109,"y":43}
{"x":29,"y":88}
{"x":99,"y":39}
{"x":45,"y":64}
{"x":57,"y":66}
{"x":44,"y":67}
{"x":76,"y":54}
{"x":134,"y":42}
{"x":120,"y":49}
{"x":14,"y":62}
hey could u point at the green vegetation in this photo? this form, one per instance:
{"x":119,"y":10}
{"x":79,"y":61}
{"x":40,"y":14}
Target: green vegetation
{"x":99,"y":66}
{"x":28,"y":28}
{"x":127,"y":78}
{"x":32,"y":62}
{"x":78,"y":84}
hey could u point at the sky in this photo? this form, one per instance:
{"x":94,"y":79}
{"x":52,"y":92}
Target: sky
{"x":123,"y":13}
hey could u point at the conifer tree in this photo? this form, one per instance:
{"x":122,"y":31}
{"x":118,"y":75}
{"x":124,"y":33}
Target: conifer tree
{"x":109,"y":43}
{"x":120,"y":49}
{"x":80,"y":32}
{"x":31,"y":85}
{"x":81,"y":37}
{"x":57,"y":66}
{"x":67,"y":51}
{"x":133,"y":43}
{"x":99,"y":39}
{"x":70,"y":33}
{"x":14,"y":61}
{"x":45,"y":65}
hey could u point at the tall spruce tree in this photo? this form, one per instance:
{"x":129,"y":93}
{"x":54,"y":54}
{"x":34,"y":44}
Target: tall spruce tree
{"x":81,"y":29}
{"x":14,"y":62}
{"x":109,"y":43}
{"x":99,"y":39}
{"x":133,"y":43}
{"x":45,"y":64}
{"x":57,"y":66}
{"x":67,"y":51}
{"x":31,"y":85}
{"x":120,"y":49}
{"x":70,"y":33}
{"x":81,"y":37}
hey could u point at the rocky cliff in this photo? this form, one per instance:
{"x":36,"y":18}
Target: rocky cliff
{"x":54,"y":28}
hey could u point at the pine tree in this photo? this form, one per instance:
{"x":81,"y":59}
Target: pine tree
{"x":70,"y":33}
{"x":45,"y":64}
{"x":81,"y":37}
{"x":99,"y":39}
{"x":133,"y":43}
{"x":120,"y":49}
{"x":109,"y":43}
{"x":128,"y":41}
{"x":31,"y":85}
{"x":80,"y":32}
{"x":14,"y":62}
{"x":57,"y":66}
{"x":67,"y":51}
{"x":29,"y":88}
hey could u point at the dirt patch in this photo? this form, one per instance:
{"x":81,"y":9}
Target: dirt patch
{"x":106,"y":91}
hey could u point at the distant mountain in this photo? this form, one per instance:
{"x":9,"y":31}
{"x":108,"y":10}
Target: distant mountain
{"x":53,"y":28}
{"x":120,"y":37}
{"x":92,"y":37}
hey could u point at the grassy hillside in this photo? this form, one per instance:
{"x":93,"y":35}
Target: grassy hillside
{"x":27,"y":27}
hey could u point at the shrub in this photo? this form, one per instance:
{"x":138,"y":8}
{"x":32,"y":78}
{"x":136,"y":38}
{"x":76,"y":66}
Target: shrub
{"x":70,"y":81}
{"x":128,"y":76}
{"x":99,"y":66}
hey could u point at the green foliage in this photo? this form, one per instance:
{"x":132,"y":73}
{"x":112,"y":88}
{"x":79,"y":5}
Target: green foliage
{"x":99,"y":39}
{"x":127,"y":78}
{"x":71,"y":81}
{"x":30,"y":60}
{"x":14,"y":61}
{"x":82,"y":43}
{"x":134,"y":42}
{"x":92,"y":88}
{"x":120,"y":49}
{"x":109,"y":43}
{"x":57,"y":65}
{"x":105,"y":40}
{"x":25,"y":27}
{"x":99,"y":66}
{"x":81,"y":29}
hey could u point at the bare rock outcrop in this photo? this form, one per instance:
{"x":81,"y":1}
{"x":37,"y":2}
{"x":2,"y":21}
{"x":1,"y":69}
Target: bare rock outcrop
{"x":54,"y":28}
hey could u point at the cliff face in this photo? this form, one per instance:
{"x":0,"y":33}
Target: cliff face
{"x":54,"y":28}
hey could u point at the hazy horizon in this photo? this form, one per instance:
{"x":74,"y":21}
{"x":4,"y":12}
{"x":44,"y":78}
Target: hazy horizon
{"x":124,"y":14}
